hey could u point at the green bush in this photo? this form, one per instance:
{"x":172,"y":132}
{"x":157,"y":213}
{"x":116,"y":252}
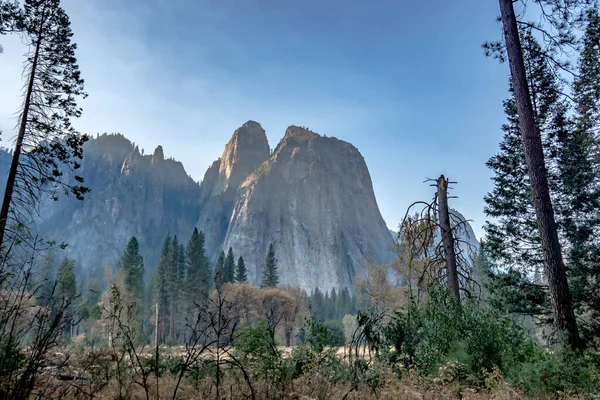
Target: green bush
{"x":557,"y":370}
{"x":313,"y":357}
{"x":255,"y":346}
{"x":473,"y":343}
{"x":318,"y":334}
{"x":11,"y":358}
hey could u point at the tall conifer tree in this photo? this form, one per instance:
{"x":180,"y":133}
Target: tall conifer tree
{"x":560,"y":293}
{"x":132,"y":267}
{"x":66,"y":285}
{"x":161,"y":286}
{"x":241,"y":274}
{"x":580,"y":182}
{"x":270,"y":274}
{"x":229,"y":267}
{"x":66,"y":290}
{"x":46,"y":143}
{"x":317,"y":304}
{"x":198,"y":270}
{"x":220,"y":270}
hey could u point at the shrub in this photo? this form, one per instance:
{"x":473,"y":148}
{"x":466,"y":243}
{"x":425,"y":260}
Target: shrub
{"x":256,"y":348}
{"x":439,"y":333}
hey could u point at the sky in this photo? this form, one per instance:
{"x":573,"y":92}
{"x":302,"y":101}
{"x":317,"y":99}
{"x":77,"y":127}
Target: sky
{"x":406,"y":82}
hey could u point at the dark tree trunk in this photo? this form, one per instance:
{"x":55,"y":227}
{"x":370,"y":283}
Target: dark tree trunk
{"x":447,"y":237}
{"x":560,"y":294}
{"x":12,"y":174}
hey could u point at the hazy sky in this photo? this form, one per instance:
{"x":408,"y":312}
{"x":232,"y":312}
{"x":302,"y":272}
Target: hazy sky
{"x":406,"y":82}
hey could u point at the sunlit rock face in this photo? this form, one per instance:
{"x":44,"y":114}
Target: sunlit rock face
{"x":247,"y":149}
{"x":313,"y":199}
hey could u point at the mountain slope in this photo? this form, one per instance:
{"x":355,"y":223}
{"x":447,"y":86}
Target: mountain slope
{"x":131,"y":195}
{"x":312,"y":198}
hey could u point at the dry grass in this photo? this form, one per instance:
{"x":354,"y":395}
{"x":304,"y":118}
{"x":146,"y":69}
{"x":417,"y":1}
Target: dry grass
{"x":311,"y":385}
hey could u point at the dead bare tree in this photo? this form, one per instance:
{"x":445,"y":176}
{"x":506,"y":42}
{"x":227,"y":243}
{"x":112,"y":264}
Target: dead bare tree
{"x":447,"y":236}
{"x":124,"y":344}
{"x":432,"y":236}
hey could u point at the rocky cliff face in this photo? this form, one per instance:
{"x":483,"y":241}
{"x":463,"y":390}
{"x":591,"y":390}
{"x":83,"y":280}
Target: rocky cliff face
{"x":247,"y":149}
{"x":131,"y":195}
{"x":313,"y":199}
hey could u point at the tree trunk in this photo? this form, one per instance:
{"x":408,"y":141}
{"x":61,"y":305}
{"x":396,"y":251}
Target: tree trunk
{"x":12,"y":174}
{"x":171,"y":321}
{"x":156,"y":327}
{"x":447,"y":237}
{"x":560,"y":294}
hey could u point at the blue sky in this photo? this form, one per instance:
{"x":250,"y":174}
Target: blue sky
{"x":406,"y":82}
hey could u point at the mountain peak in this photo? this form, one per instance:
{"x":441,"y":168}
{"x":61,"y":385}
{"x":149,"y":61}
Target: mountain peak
{"x":245,"y":151}
{"x":158,"y":155}
{"x":300,"y":132}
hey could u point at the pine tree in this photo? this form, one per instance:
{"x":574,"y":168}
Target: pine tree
{"x":317,"y":304}
{"x":47,"y":277}
{"x":229,"y":267}
{"x":180,"y":299}
{"x":132,"y":267}
{"x":332,"y":305}
{"x":580,"y":182}
{"x":173,"y":285}
{"x":220,"y":270}
{"x":513,"y":238}
{"x":344,"y":302}
{"x":66,"y":290}
{"x":46,"y":142}
{"x":66,"y":285}
{"x":198,"y":270}
{"x":560,"y":294}
{"x":161,"y":286}
{"x":270,"y":275}
{"x":241,"y":274}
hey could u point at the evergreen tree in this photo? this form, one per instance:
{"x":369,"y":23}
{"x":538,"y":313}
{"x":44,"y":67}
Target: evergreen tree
{"x":173,"y":285}
{"x":132,"y":267}
{"x":161,"y":286}
{"x":180,"y":300}
{"x":332,"y":306}
{"x":220,"y":270}
{"x":93,"y":298}
{"x":66,"y":290}
{"x":513,"y":238}
{"x":516,"y":46}
{"x":344,"y":302}
{"x":198,"y":270}
{"x":270,"y":275}
{"x":580,"y":182}
{"x":241,"y":274}
{"x":66,"y":285}
{"x":317,"y":304}
{"x":229,"y":267}
{"x":47,"y":277}
{"x":46,"y":143}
